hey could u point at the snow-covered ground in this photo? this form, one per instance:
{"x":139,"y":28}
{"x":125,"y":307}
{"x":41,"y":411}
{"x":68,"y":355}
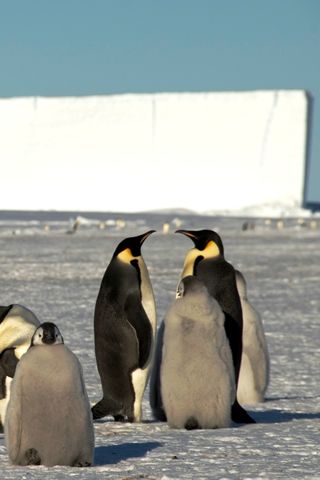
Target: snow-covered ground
{"x":58,"y":275}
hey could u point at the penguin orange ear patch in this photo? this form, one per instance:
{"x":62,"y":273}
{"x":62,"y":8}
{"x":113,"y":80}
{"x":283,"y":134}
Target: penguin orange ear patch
{"x":125,"y":256}
{"x":212,"y":249}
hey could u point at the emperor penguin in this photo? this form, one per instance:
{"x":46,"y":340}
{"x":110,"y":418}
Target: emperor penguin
{"x":124,"y":332}
{"x":206,"y":261}
{"x":17,"y":325}
{"x":197,"y":373}
{"x":255,"y":364}
{"x":48,"y":419}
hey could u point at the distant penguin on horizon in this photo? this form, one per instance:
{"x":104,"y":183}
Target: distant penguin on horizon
{"x":197,"y":373}
{"x":48,"y":419}
{"x":206,"y":261}
{"x":124,"y":332}
{"x":255,"y":363}
{"x":17,"y":325}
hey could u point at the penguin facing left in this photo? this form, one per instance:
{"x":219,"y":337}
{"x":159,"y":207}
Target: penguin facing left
{"x":17,"y":325}
{"x":206,"y":261}
{"x":48,"y":419}
{"x":124,"y":332}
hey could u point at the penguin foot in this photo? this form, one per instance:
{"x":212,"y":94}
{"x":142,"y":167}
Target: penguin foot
{"x":32,"y":457}
{"x":239,"y":415}
{"x":82,"y":464}
{"x":159,"y":414}
{"x":191,"y":424}
{"x":99,"y":410}
{"x":119,"y":418}
{"x":123,"y":418}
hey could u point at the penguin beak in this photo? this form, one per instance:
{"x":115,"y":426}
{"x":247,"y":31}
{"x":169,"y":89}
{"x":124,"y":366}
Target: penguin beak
{"x":48,"y":338}
{"x":144,"y":236}
{"x":187,"y":233}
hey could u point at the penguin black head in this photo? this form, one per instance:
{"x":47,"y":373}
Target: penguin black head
{"x":204,"y":239}
{"x":47,"y":334}
{"x":133,"y":244}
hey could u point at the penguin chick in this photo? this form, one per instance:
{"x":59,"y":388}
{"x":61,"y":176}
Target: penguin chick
{"x":197,"y":374}
{"x":48,"y":420}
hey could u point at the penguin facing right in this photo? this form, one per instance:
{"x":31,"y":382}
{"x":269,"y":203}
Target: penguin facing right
{"x":197,"y":374}
{"x":48,"y":419}
{"x":124,"y":332}
{"x":255,"y":364}
{"x":17,"y":325}
{"x":206,"y":261}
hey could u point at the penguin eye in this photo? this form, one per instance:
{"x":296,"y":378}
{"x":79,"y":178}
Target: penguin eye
{"x":39,"y":335}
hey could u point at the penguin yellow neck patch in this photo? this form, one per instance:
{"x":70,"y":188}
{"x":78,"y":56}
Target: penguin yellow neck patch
{"x":189,"y":262}
{"x":126,"y":255}
{"x":210,"y":251}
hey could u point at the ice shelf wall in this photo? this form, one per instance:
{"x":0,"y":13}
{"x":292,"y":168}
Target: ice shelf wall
{"x":135,"y":152}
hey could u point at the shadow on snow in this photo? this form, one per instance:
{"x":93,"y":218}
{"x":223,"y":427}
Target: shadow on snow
{"x":280,"y":416}
{"x":106,"y":455}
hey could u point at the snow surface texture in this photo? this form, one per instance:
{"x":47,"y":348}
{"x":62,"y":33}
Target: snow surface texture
{"x":58,"y":275}
{"x":231,"y":150}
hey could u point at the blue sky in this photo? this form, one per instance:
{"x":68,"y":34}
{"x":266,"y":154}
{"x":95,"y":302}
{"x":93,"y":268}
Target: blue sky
{"x":76,"y":47}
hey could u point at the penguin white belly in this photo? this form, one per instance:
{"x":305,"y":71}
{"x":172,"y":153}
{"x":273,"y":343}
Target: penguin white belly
{"x":246,"y":391}
{"x":4,"y":401}
{"x":254,"y":371}
{"x":140,"y":376}
{"x":147,"y":297}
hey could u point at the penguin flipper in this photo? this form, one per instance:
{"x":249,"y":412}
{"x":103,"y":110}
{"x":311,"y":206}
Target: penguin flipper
{"x":234,"y":336}
{"x":4,"y":312}
{"x":9,"y":362}
{"x":138,"y":319}
{"x":155,"y":396}
{"x":2,"y":382}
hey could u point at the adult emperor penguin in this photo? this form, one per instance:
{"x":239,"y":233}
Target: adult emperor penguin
{"x":124,"y":332}
{"x":206,"y":261}
{"x":197,"y":373}
{"x":17,"y":325}
{"x":254,"y":371}
{"x":48,"y":419}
